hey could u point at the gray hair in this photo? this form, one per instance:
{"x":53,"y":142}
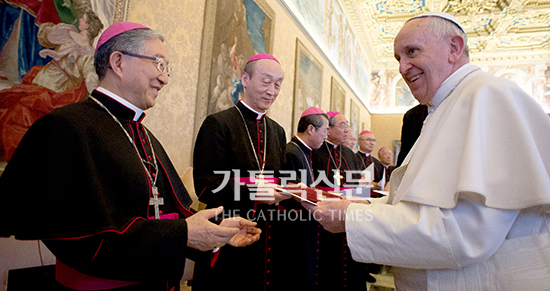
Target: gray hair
{"x":131,"y":41}
{"x":314,"y":119}
{"x":249,"y":68}
{"x":446,"y":28}
{"x":332,"y":121}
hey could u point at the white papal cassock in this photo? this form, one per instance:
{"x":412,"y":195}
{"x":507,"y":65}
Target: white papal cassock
{"x":469,"y":210}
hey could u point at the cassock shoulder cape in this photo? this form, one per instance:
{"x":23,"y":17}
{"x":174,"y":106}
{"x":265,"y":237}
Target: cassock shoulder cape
{"x":76,"y":174}
{"x":469,"y":208}
{"x":298,"y":159}
{"x":76,"y":182}
{"x":489,"y":140}
{"x":326,"y":159}
{"x":223,"y":145}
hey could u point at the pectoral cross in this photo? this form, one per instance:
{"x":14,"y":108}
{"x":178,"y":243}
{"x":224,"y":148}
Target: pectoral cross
{"x":337,"y":178}
{"x":260,"y":179}
{"x":156,"y":201}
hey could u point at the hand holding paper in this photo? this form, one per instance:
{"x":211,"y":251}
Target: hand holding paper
{"x":330,"y":214}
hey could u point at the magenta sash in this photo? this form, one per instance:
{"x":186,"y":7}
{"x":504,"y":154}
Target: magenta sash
{"x":168,"y":216}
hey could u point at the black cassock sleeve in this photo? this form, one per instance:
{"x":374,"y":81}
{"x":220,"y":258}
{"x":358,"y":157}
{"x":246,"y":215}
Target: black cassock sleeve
{"x":150,"y":250}
{"x":87,"y":198}
{"x":223,"y":151}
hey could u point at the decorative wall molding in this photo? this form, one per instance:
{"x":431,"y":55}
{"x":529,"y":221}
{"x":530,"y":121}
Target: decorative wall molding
{"x":498,"y":30}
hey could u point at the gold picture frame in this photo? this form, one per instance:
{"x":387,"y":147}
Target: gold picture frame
{"x":337,"y":97}
{"x":233,"y":32}
{"x":308,"y":83}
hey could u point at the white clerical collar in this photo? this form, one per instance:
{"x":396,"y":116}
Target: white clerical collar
{"x":305,"y":144}
{"x":333,"y":145}
{"x":447,"y":86}
{"x":366,"y":154}
{"x":138,"y":111}
{"x":260,"y":115}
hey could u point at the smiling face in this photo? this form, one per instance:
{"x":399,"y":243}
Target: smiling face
{"x":142,"y":79}
{"x":262,"y":88}
{"x":424,"y":58}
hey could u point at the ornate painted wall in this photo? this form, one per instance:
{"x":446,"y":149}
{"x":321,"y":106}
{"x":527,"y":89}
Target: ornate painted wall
{"x":182,"y":22}
{"x":171,"y":120}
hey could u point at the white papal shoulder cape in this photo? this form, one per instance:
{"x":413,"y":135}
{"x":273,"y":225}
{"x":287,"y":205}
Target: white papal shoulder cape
{"x":485,"y":147}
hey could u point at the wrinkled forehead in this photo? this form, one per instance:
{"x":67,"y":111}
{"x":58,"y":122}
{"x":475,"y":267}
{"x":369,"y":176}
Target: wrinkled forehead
{"x":155,"y":48}
{"x":340,"y":119}
{"x":269,"y":67}
{"x":367,"y":135}
{"x":414,"y":34}
{"x":411,"y":29}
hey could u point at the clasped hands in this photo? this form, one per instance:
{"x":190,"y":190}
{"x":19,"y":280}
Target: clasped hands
{"x":205,"y":235}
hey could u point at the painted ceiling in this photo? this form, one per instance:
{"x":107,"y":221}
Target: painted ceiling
{"x":505,"y":31}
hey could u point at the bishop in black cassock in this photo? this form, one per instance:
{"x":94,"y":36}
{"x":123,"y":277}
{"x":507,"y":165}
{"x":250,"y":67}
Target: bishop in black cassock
{"x":338,"y":270}
{"x":365,"y":160}
{"x":303,"y":234}
{"x":229,"y":145}
{"x":366,"y":143}
{"x":386,"y":159}
{"x":78,"y":158}
{"x":330,"y":157}
{"x":89,"y":180}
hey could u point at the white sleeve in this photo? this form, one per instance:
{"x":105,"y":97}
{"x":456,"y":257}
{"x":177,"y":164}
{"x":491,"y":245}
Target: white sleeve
{"x":417,"y":236}
{"x":381,"y":200}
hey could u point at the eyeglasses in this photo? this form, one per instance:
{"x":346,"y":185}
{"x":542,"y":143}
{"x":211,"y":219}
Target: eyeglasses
{"x":162,"y":65}
{"x":342,"y":126}
{"x":368,"y":139}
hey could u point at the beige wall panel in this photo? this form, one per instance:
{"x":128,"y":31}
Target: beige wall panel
{"x":181,"y":22}
{"x":386,"y":128}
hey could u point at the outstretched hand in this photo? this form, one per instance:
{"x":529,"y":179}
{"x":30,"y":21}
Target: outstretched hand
{"x":247,"y":234}
{"x":205,"y":235}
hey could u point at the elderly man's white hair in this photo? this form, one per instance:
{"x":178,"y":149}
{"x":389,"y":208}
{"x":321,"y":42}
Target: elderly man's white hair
{"x":441,"y":15}
{"x":452,"y":27}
